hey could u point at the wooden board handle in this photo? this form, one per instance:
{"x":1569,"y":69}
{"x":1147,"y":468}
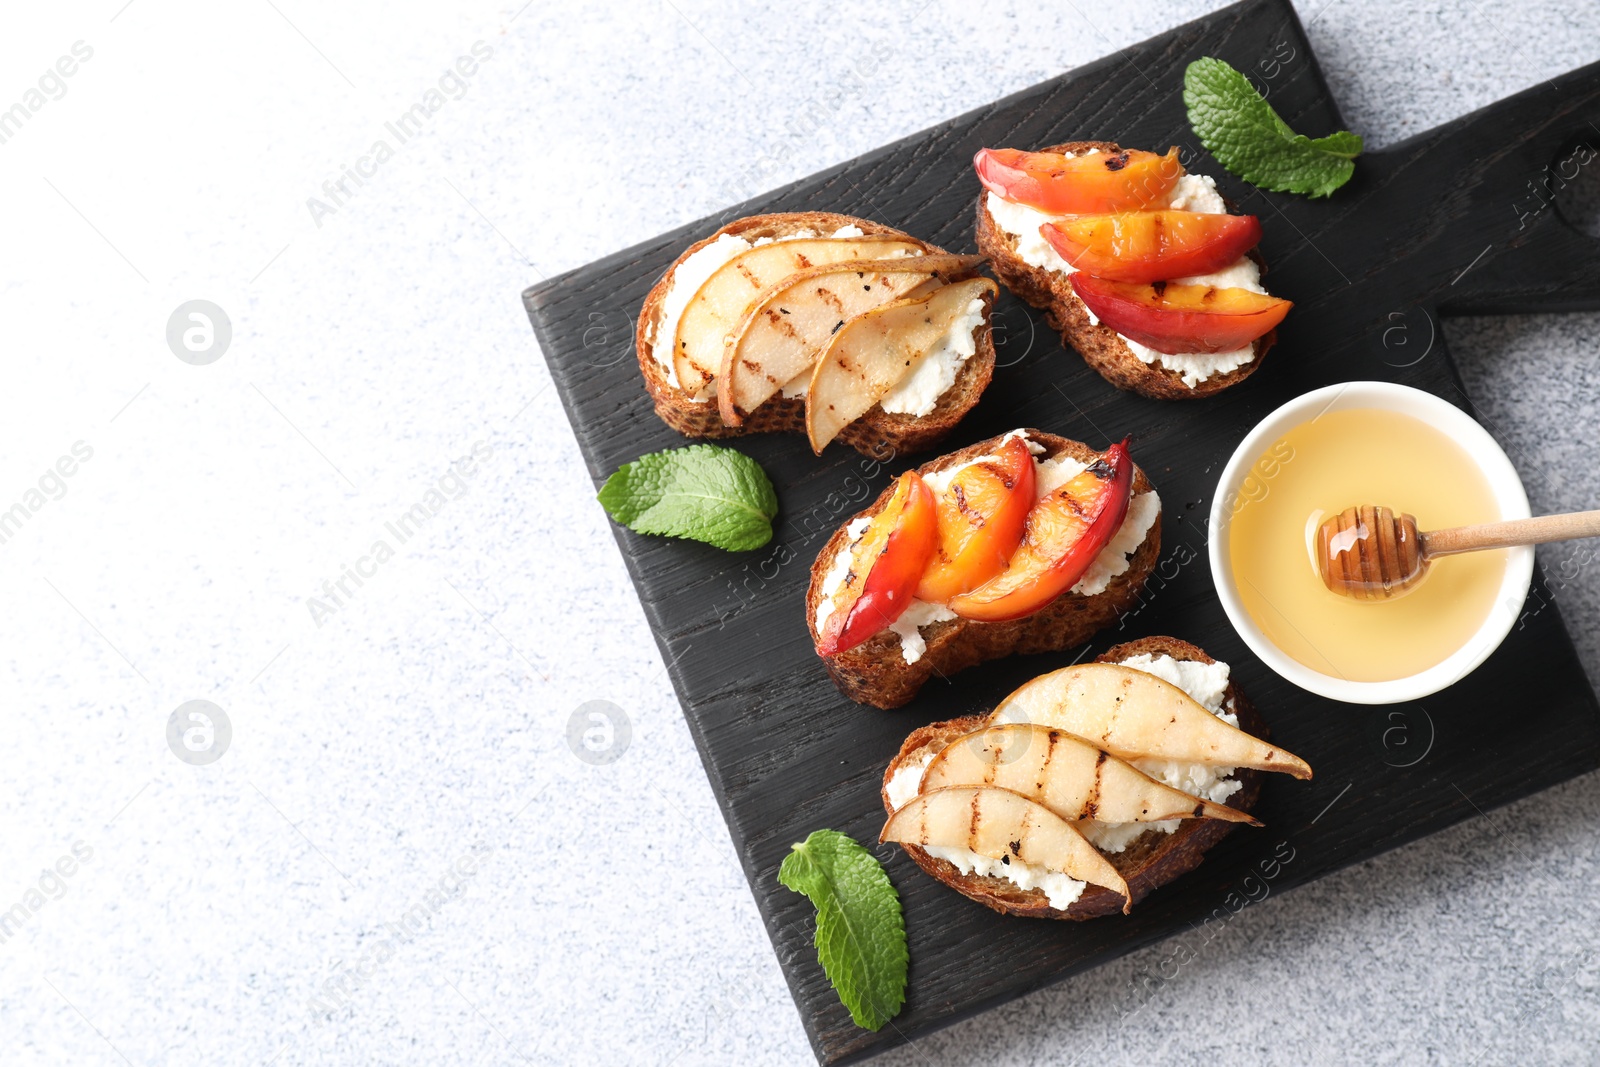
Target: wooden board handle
{"x":1496,"y":176}
{"x":1536,"y":531}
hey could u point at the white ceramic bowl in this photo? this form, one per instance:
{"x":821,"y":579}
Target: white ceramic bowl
{"x":1503,"y":479}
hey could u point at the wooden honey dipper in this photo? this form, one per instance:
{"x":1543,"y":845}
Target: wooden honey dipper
{"x":1371,"y":553}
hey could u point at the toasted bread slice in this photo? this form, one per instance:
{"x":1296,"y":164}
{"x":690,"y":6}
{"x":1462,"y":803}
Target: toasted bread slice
{"x":1152,"y":860}
{"x":1101,"y":347}
{"x":875,"y":672}
{"x":878,"y":433}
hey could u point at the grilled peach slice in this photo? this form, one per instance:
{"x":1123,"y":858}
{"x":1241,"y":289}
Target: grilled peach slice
{"x":1065,"y":531}
{"x":885,"y":566}
{"x":981,"y":518}
{"x":1079,"y":185}
{"x":1152,"y":246}
{"x":1174,"y":318}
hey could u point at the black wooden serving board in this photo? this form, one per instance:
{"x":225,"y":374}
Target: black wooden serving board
{"x":1456,"y":220}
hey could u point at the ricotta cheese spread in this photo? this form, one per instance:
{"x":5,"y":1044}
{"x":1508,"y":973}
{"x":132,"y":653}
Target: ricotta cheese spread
{"x":1113,"y":560}
{"x":1194,"y":192}
{"x":918,"y":393}
{"x":909,"y":626}
{"x":1059,"y":889}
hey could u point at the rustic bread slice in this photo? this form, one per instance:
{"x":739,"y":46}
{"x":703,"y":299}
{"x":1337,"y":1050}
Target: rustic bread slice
{"x":875,"y":672}
{"x":878,"y":433}
{"x":1101,"y":346}
{"x":1153,"y":858}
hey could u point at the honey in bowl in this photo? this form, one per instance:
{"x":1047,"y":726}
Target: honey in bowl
{"x":1321,"y":467}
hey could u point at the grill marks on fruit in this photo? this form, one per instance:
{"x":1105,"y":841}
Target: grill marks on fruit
{"x":974,"y":517}
{"x":781,"y":324}
{"x":1091,"y":804}
{"x":1116,"y":711}
{"x":831,"y":298}
{"x":1044,"y":767}
{"x":1117,"y":162}
{"x":1073,"y":504}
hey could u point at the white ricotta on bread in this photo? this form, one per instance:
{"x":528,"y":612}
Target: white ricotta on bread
{"x":1113,"y":560}
{"x":919,"y":392}
{"x":1194,"y":192}
{"x":1206,"y":684}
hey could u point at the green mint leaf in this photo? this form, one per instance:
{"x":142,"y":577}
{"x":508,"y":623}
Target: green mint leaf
{"x":717,"y":495}
{"x":1344,"y":143}
{"x":1239,"y":127}
{"x":861,"y":933}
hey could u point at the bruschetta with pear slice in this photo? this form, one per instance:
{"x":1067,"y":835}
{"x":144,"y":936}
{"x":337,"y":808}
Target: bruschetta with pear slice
{"x":1191,"y":754}
{"x":728,"y":340}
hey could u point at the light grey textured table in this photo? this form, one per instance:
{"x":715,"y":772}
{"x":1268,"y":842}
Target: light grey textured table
{"x":397,"y":858}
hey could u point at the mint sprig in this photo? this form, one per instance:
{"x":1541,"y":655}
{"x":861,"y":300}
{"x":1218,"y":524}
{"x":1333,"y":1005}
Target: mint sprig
{"x":1239,"y":127}
{"x":705,"y":493}
{"x":861,"y":932}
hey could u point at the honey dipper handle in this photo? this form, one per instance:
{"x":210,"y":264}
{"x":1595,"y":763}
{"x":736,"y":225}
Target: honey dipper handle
{"x":1535,"y":531}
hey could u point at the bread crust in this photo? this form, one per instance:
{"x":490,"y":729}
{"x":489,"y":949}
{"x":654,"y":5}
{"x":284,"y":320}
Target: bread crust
{"x":878,"y":433}
{"x":1101,"y":346}
{"x":1150,"y":861}
{"x":874,"y":672}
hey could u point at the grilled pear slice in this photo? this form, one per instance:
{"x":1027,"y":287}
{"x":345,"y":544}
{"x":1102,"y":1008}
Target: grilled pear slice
{"x":788,"y":326}
{"x":877,"y":350}
{"x":1005,"y":826}
{"x":722,"y":299}
{"x":1066,"y":774}
{"x":1134,"y":715}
